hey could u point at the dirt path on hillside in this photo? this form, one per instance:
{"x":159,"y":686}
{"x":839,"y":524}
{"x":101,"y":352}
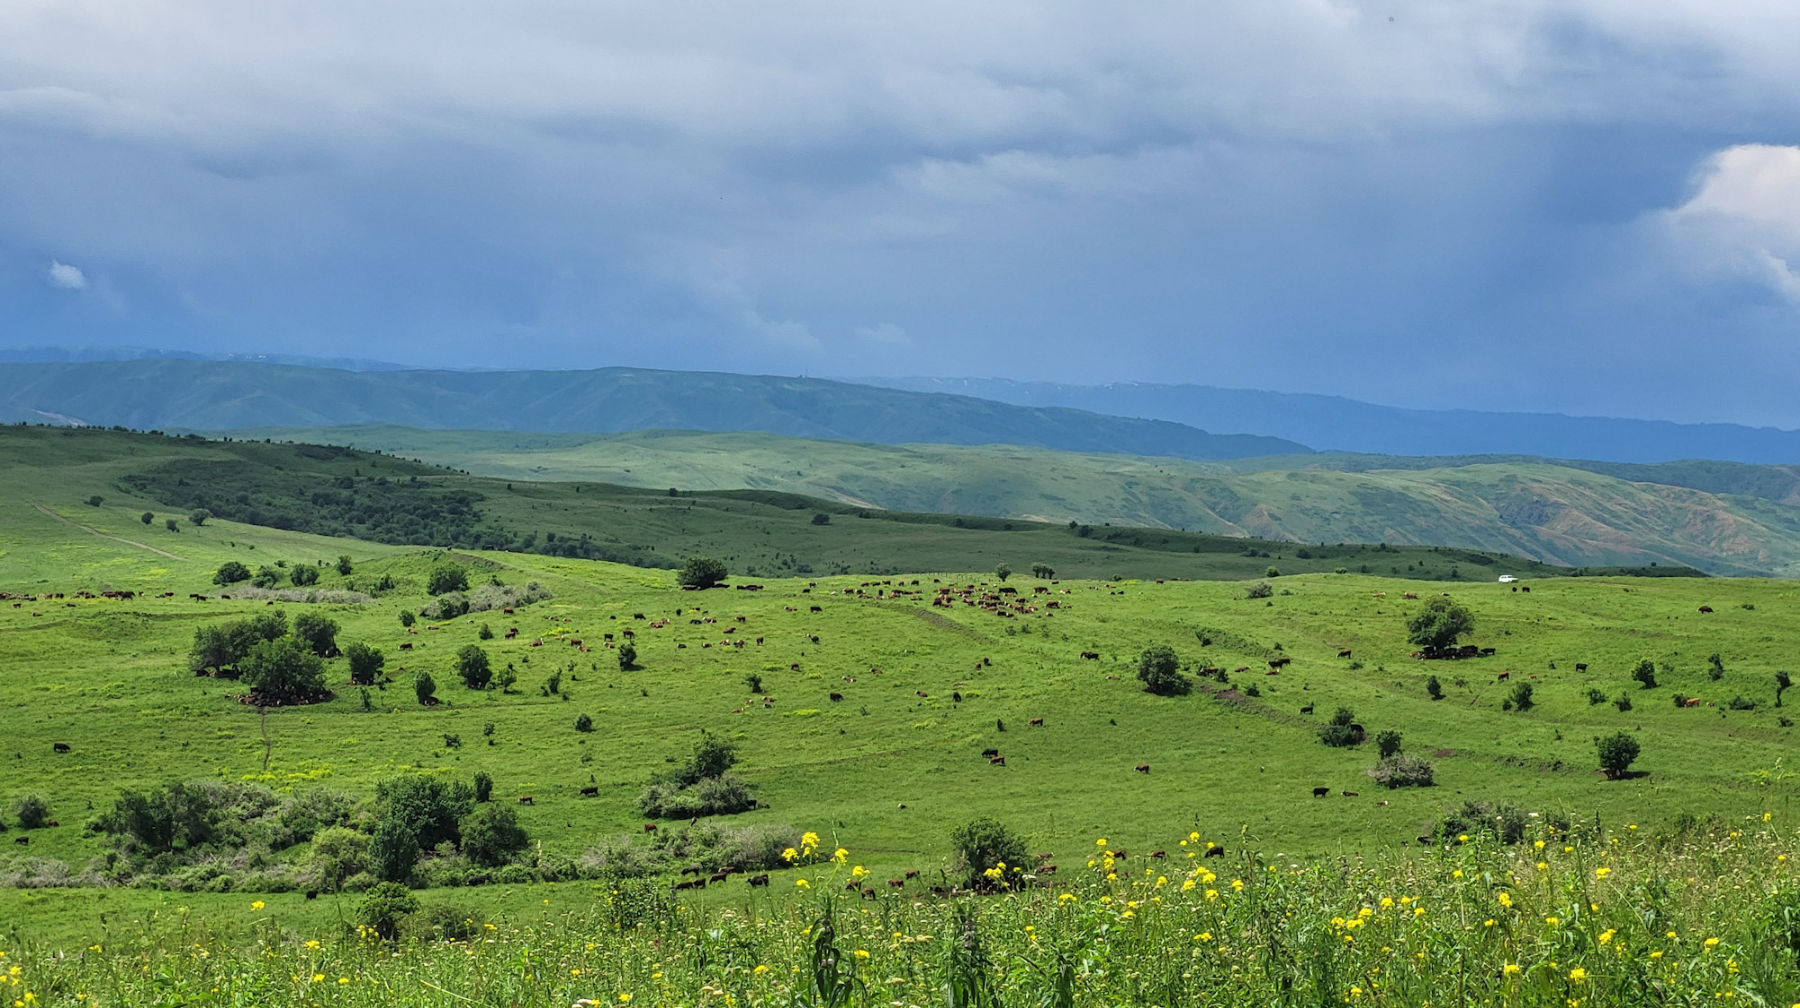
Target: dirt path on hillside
{"x":103,"y":535}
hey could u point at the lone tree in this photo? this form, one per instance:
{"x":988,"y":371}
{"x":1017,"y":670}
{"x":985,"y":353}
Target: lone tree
{"x":1439,"y":624}
{"x":1434,"y":689}
{"x":1160,"y":670}
{"x":365,"y":663}
{"x":627,"y":656}
{"x":318,"y":631}
{"x":425,"y":688}
{"x":985,"y":845}
{"x":1617,"y":751}
{"x":447,"y":578}
{"x":1003,"y":572}
{"x":1645,"y":674}
{"x":283,"y":670}
{"x":1388,"y":743}
{"x":199,"y":516}
{"x":702,"y":572}
{"x":302,"y":575}
{"x":472,"y":665}
{"x":171,"y":524}
{"x":344,"y":566}
{"x":821,"y":519}
{"x":491,"y":835}
{"x":146,"y":517}
{"x":231,"y":572}
{"x":1782,"y":682}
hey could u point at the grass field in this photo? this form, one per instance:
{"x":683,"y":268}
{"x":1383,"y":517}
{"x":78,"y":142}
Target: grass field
{"x":1726,"y":519}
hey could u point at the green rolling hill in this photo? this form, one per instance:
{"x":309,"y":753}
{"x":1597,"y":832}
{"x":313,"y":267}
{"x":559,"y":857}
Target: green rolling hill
{"x":1725,"y":518}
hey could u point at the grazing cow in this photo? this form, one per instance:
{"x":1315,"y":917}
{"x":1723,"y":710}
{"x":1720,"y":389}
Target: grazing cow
{"x":1091,"y":655}
{"x":835,"y":697}
{"x":692,"y":870}
{"x":1119,"y":855}
{"x":997,"y":760}
{"x":1159,"y":854}
{"x":1214,"y":850}
{"x":312,"y":894}
{"x":23,"y":840}
{"x":870,"y":894}
{"x":1048,"y":869}
{"x":1320,"y":792}
{"x":912,"y":873}
{"x":590,"y":792}
{"x":649,"y":827}
{"x":895,"y":883}
{"x":1280,"y":662}
{"x":990,"y":753}
{"x":1706,"y":608}
{"x":1143,"y":768}
{"x":59,"y":746}
{"x":1345,"y":653}
{"x":853,"y":886}
{"x":1410,"y":595}
{"x":1036,"y":722}
{"x":919,"y":692}
{"x":1502,"y":677}
{"x":1308,"y":709}
{"x":407,"y":646}
{"x":718,"y":876}
{"x":1349,"y":794}
{"x":1581,"y":666}
{"x":1240,"y":670}
{"x":526,"y":800}
{"x":1424,"y":841}
{"x":1382,"y":803}
{"x":698,"y":883}
{"x":817,"y":609}
{"x":1691,"y":702}
{"x":758,"y":881}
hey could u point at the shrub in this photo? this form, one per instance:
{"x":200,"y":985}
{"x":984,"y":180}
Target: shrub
{"x":425,"y":688}
{"x":491,"y":835}
{"x":365,"y":663}
{"x":407,"y":619}
{"x":485,"y":633}
{"x":1387,"y":743}
{"x":303,"y":574}
{"x":146,"y":517}
{"x":231,"y":572}
{"x":583,"y":723}
{"x":821,"y":519}
{"x":983,"y":844}
{"x":344,"y":567}
{"x":472,"y":665}
{"x":1616,"y":751}
{"x":1260,"y":589}
{"x":32,"y":811}
{"x":1398,"y":771}
{"x":318,"y":631}
{"x":702,"y":786}
{"x":627,"y":656}
{"x":447,"y":578}
{"x":1160,"y":671}
{"x":266,"y":577}
{"x":1440,"y":624}
{"x":1002,"y":572}
{"x":338,"y":852}
{"x":1645,"y":674}
{"x":1594,"y":696}
{"x":171,"y":524}
{"x":1715,"y":668}
{"x":1782,"y":682}
{"x":754,"y":681}
{"x":1520,"y":698}
{"x":1342,"y":731}
{"x":96,"y":500}
{"x":484,"y":784}
{"x":284,"y":669}
{"x":1739,"y":703}
{"x":1434,"y":689}
{"x":1272,"y":572}
{"x":385,"y":907}
{"x":447,"y":606}
{"x":199,"y":516}
{"x":701,"y":572}
{"x":1623,"y":703}
{"x":1505,"y":823}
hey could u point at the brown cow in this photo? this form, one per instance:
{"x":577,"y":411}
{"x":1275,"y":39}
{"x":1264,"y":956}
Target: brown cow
{"x":1036,"y":722}
{"x":1345,"y":653}
{"x":1502,"y":677}
{"x":1143,"y":768}
{"x":526,"y":800}
{"x":759,"y":880}
{"x":997,"y":760}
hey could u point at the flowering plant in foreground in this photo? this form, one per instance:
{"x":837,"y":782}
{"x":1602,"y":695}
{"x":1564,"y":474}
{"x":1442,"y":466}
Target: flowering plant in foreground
{"x":1564,"y":920}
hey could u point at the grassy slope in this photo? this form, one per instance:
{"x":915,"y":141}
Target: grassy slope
{"x":752,"y":530}
{"x":1722,"y":518}
{"x":108,"y":678}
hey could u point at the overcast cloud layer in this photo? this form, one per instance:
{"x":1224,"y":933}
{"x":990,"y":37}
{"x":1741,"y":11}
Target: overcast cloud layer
{"x":1588,"y":206}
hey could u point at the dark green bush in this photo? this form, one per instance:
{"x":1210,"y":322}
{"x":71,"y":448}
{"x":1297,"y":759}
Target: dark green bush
{"x":385,"y":907}
{"x":1160,"y":671}
{"x":986,"y":844}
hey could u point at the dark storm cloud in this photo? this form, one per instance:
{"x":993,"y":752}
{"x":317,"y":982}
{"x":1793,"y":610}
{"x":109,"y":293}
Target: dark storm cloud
{"x":1512,"y":205}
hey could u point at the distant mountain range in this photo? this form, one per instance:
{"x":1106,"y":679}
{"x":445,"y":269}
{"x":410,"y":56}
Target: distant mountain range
{"x":1332,"y":423}
{"x":217,"y":395}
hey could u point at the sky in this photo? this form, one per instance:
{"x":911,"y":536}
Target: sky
{"x":1583,"y":206}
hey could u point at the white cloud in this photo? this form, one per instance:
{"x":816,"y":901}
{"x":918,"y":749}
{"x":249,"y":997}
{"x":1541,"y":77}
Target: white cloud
{"x":64,"y":275}
{"x":1744,"y":218}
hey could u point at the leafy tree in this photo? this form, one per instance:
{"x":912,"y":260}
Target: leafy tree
{"x":425,"y":688}
{"x":1645,"y":674}
{"x":485,"y":633}
{"x":1398,"y":771}
{"x":344,"y":567}
{"x":388,"y":903}
{"x":1617,"y":751}
{"x":1521,"y":696}
{"x":430,"y":807}
{"x":1595,"y":697}
{"x":1160,"y":671}
{"x":407,"y":618}
{"x":96,"y":500}
{"x":1003,"y":572}
{"x":491,"y":835}
{"x":627,"y":656}
{"x":171,"y":524}
{"x":317,"y":630}
{"x":447,"y":578}
{"x":1782,"y":682}
{"x":1623,"y":703}
{"x":199,"y":516}
{"x":821,"y":519}
{"x":754,"y":681}
{"x":32,"y":811}
{"x":986,"y":843}
{"x":339,"y":852}
{"x":365,"y":663}
{"x":1260,"y":589}
{"x":1716,"y":671}
{"x":302,"y":575}
{"x":1272,"y":572}
{"x":213,"y":650}
{"x":583,"y":723}
{"x":1043,"y":570}
{"x":1440,"y":624}
{"x":1434,"y":689}
{"x":484,"y":784}
{"x":1387,"y":743}
{"x":472,"y":665}
{"x":146,"y":517}
{"x":1342,"y":731}
{"x":231,"y":572}
{"x":506,"y":679}
{"x":266,"y":577}
{"x":283,"y":669}
{"x":701,"y":572}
